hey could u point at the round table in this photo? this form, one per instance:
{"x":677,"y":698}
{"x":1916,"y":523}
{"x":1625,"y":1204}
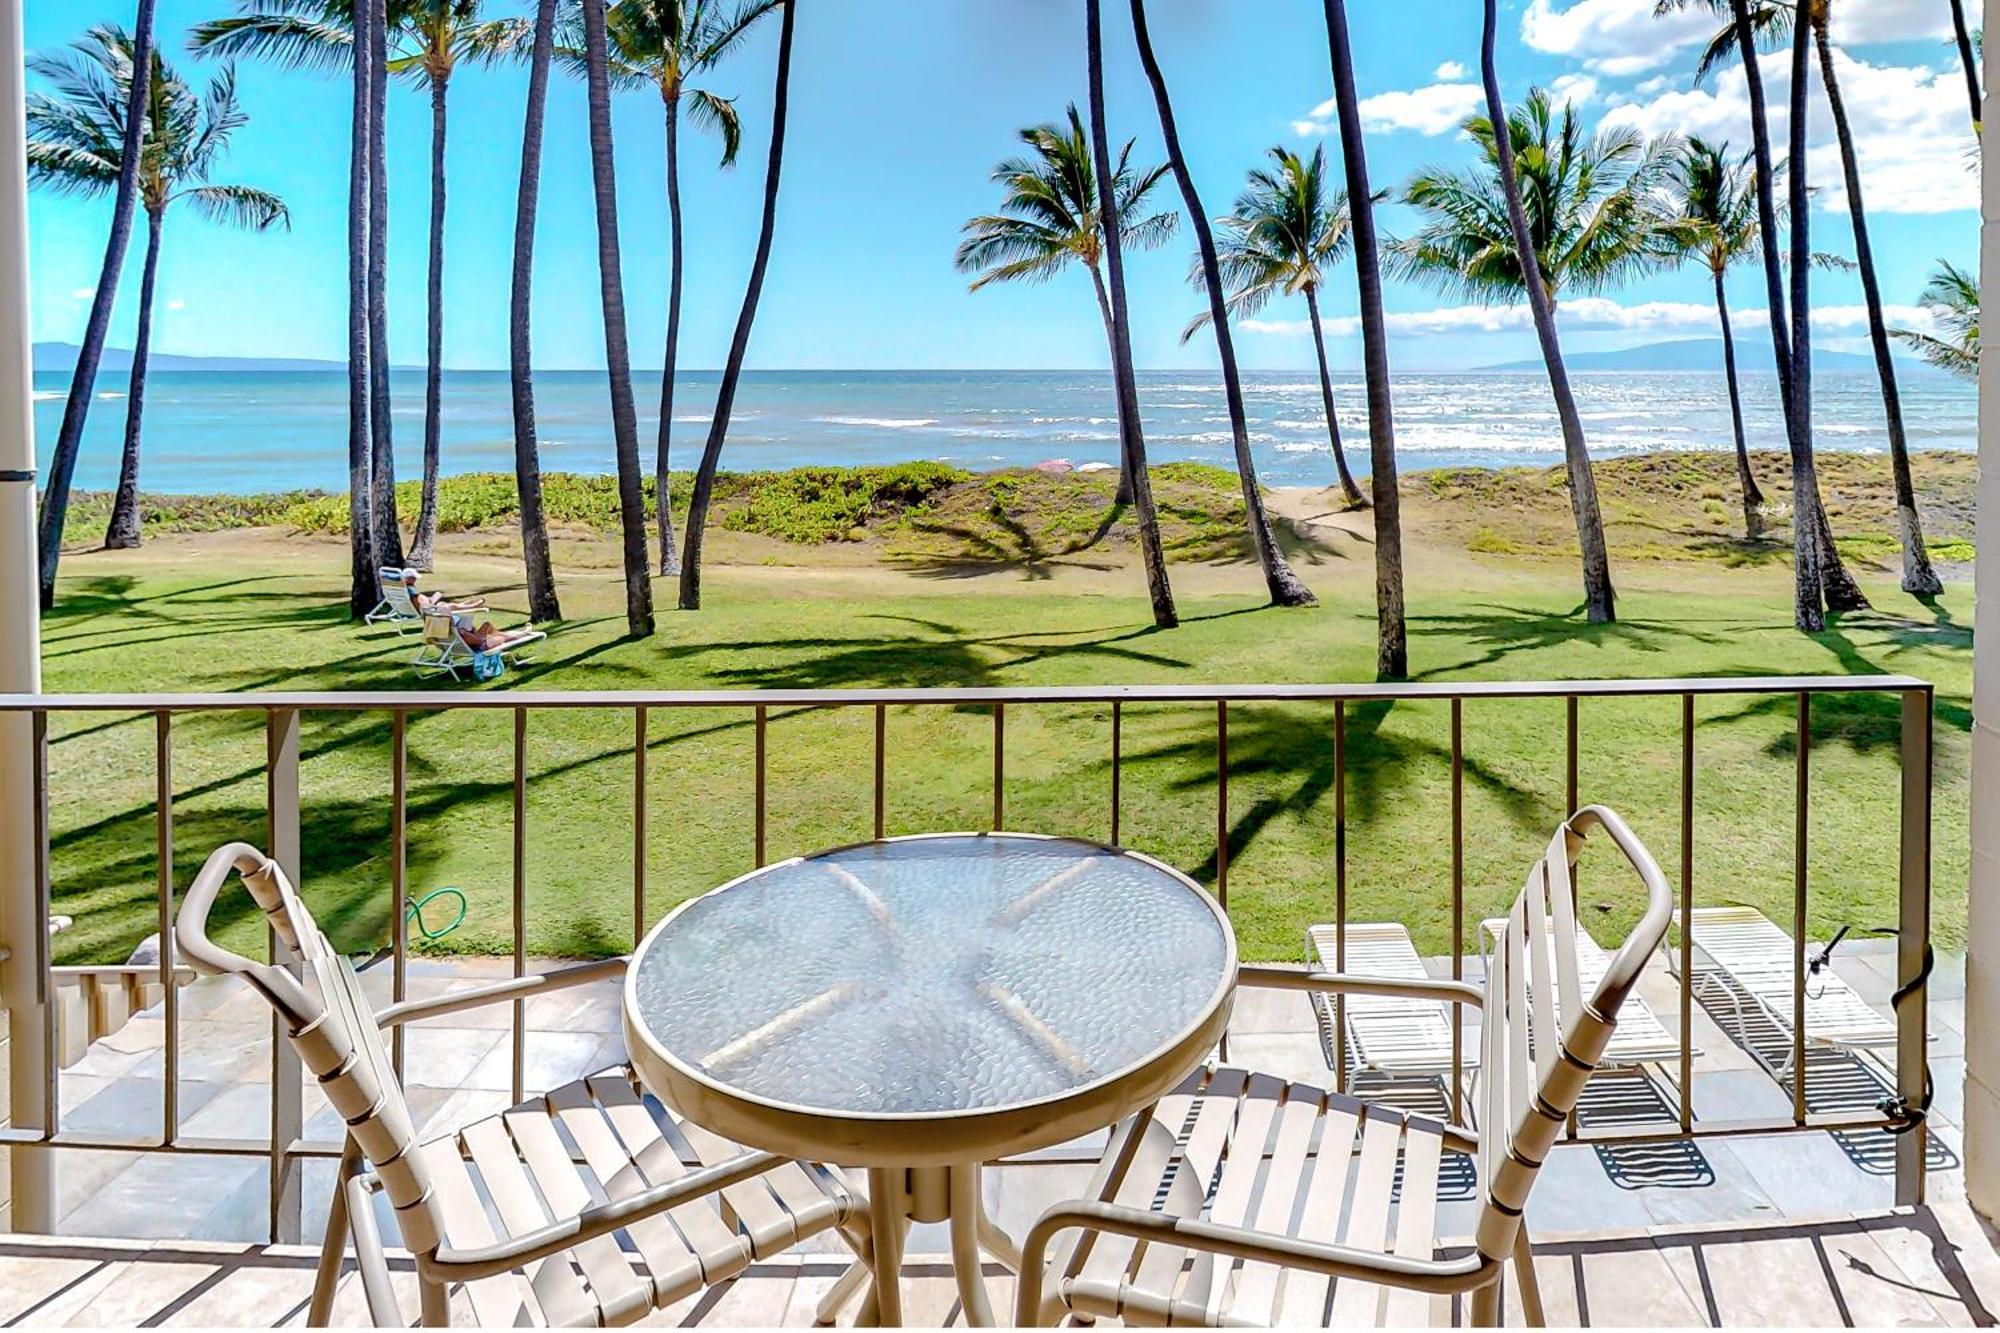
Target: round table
{"x":919,"y":1006}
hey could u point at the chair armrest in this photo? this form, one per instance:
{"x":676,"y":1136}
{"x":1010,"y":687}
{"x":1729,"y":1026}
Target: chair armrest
{"x":514,"y":988}
{"x":1354,"y":983}
{"x":456,"y":1265}
{"x":383,"y":1311}
{"x":1435,"y":1276}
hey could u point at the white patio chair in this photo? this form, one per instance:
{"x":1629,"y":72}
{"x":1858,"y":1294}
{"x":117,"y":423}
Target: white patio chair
{"x":1391,"y":1034}
{"x":398,"y":606}
{"x":1752,"y":961}
{"x":1244,"y":1199}
{"x":1641,"y":1038}
{"x":444,"y":650}
{"x":533,"y":1233}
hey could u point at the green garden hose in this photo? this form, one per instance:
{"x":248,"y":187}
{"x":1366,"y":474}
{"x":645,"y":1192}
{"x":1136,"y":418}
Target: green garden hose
{"x":415,"y":913}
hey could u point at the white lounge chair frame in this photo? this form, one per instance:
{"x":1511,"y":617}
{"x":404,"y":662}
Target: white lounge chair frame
{"x":398,"y":606}
{"x":540,"y":1247}
{"x":1641,"y":1039}
{"x":1238,"y":1166}
{"x":1392,"y":1034}
{"x":444,"y":650}
{"x":1752,"y":951}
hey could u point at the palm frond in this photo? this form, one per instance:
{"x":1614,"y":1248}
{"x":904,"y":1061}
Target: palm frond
{"x":287,"y":40}
{"x":239,"y":206}
{"x":710,"y":112}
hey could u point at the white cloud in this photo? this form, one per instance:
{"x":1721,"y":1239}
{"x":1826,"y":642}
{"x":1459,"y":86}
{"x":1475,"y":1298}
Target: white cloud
{"x":83,"y":293}
{"x":1449,"y":72}
{"x":177,"y":304}
{"x":1575,"y":89}
{"x":1432,"y":110}
{"x":1615,"y":37}
{"x":1859,"y":22}
{"x":1911,"y":133}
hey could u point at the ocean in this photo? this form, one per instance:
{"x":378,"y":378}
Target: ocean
{"x":264,"y":431}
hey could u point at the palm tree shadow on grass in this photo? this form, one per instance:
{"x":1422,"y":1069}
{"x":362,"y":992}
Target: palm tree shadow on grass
{"x":1500,"y":631}
{"x":1297,"y":745}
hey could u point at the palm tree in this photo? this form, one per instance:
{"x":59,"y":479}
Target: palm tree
{"x":1715,"y":222}
{"x":1967,"y":61}
{"x":83,"y":380}
{"x":381,"y":420}
{"x":1130,"y":432}
{"x":746,"y":318}
{"x":617,"y":355}
{"x":1952,"y":297}
{"x":1285,"y":587}
{"x":1583,"y":210}
{"x":1774,"y":21}
{"x":1281,"y":236}
{"x":1048,"y":220}
{"x":75,"y":141}
{"x":662,"y":44}
{"x":542,"y":603}
{"x":1392,"y":652}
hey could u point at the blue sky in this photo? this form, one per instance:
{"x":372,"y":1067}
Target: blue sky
{"x":899,"y":110}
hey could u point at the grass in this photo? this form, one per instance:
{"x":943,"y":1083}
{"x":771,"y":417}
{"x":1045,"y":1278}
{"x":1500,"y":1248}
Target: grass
{"x":261,"y":611}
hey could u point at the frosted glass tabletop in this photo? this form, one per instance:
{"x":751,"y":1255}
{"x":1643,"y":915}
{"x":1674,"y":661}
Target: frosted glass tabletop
{"x":933,"y":976}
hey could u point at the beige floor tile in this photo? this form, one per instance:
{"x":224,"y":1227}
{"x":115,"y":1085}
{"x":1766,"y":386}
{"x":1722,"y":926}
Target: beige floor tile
{"x":1761,"y":1282}
{"x":1631,"y":1285}
{"x":43,"y":1283}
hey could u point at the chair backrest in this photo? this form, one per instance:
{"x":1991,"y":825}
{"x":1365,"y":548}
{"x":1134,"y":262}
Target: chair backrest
{"x":441,"y":628}
{"x":330,"y":1023}
{"x":397,"y":593}
{"x":1532,"y":1070}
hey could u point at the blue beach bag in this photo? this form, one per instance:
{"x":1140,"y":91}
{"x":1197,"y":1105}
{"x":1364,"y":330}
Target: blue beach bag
{"x":488,"y":665}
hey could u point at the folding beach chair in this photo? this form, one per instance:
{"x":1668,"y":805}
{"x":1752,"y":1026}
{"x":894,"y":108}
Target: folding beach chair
{"x":1751,"y":979}
{"x":445,"y":650}
{"x":1390,"y":1034}
{"x":398,"y":606}
{"x":1641,"y":1037}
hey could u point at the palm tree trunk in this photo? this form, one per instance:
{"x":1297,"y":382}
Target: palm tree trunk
{"x":83,"y":381}
{"x":1123,"y":494}
{"x":1807,"y":594}
{"x":1746,"y":480}
{"x":1967,"y":60}
{"x":123,"y":531}
{"x":388,"y":535}
{"x":363,"y":586}
{"x":617,"y":355}
{"x":1284,"y":586}
{"x":1392,"y":648}
{"x":542,"y":603}
{"x":427,"y":509}
{"x":739,"y":342}
{"x":1918,"y":576}
{"x":1349,"y":491}
{"x":1599,"y":599}
{"x":1836,"y":585}
{"x":670,"y":556}
{"x":1151,"y":550}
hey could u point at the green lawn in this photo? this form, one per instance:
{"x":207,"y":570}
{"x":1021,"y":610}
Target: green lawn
{"x":233,"y":620}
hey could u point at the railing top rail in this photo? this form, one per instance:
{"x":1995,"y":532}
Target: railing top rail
{"x":417,"y":700}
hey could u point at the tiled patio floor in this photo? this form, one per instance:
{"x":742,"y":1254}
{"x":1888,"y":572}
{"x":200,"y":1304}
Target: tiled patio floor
{"x":1794,"y":1229}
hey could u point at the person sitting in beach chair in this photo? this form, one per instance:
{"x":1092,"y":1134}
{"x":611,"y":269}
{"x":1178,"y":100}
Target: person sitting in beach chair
{"x":404,"y":605}
{"x":452,"y":640}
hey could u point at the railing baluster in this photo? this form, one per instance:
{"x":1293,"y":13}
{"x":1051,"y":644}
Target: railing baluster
{"x":399,"y":871}
{"x":762,"y":723}
{"x":999,"y":765}
{"x":1913,"y":949}
{"x":1457,"y":907}
{"x":1222,"y":803}
{"x":163,"y":850}
{"x":1340,"y":886}
{"x":281,"y":812}
{"x":518,"y":1037}
{"x":1687,"y":912}
{"x":1571,"y":792}
{"x":45,"y":984}
{"x":1117,"y":763}
{"x":1801,"y":794}
{"x":638,"y":824}
{"x":881,"y":769}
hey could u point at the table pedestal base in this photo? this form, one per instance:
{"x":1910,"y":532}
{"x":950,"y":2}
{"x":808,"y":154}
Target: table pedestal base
{"x":900,"y":1196}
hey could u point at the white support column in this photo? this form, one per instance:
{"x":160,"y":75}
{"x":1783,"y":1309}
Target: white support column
{"x":21,"y":918}
{"x":1982,"y":964}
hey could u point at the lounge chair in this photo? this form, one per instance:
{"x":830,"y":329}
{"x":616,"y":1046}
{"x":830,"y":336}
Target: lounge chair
{"x":398,"y":606}
{"x":589,"y":1205}
{"x":1641,"y":1038}
{"x":1241,"y":1198}
{"x":1395,"y":1034}
{"x":445,"y":650}
{"x":1751,"y":980}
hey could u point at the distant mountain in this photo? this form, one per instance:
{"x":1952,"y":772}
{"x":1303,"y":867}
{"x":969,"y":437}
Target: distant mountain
{"x":60,"y":359}
{"x":1705,"y":354}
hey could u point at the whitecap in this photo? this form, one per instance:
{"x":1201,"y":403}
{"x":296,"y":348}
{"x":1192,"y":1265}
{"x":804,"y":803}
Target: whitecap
{"x":884,"y":423}
{"x":49,"y":395}
{"x":109,"y":393}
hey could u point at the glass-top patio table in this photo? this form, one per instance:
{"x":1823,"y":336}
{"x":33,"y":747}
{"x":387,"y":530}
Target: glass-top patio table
{"x":919,"y":1006}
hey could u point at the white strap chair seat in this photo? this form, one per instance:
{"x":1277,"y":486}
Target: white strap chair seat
{"x":1641,"y":1037}
{"x":445,"y":650}
{"x":1394,"y":1034}
{"x":1752,"y":951}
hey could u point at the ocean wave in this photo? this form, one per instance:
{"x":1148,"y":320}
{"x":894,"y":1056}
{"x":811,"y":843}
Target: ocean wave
{"x":884,"y":423}
{"x":1296,"y":448}
{"x":49,"y":395}
{"x":110,"y":393}
{"x":1286,"y":423}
